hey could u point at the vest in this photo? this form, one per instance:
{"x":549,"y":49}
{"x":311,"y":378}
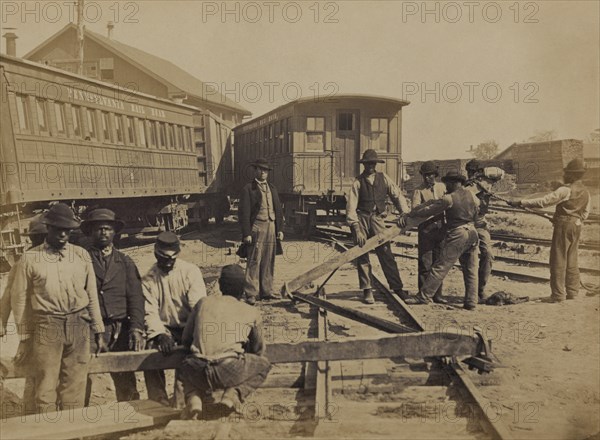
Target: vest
{"x":266,"y":211}
{"x":463,"y":210}
{"x":576,"y":204}
{"x":371,"y":198}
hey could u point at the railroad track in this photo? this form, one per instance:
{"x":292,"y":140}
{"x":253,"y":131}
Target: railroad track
{"x":593,"y":218}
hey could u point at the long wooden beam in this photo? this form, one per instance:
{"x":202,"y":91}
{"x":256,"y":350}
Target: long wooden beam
{"x":414,"y":345}
{"x":346,"y":257}
{"x":355,"y":315}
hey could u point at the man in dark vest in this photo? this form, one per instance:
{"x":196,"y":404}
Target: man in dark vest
{"x":119,"y":294}
{"x":431,"y":232}
{"x":365,"y":213}
{"x":261,"y":219}
{"x":460,"y":241}
{"x":572,"y":202}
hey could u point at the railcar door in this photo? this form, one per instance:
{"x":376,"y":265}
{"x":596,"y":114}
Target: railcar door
{"x":347,"y":144}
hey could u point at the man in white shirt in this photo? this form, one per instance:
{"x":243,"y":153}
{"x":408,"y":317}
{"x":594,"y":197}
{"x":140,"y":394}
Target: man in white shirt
{"x":172,"y":287}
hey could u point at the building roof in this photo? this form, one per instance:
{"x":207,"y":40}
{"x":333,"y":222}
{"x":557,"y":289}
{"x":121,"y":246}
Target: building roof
{"x":164,"y":71}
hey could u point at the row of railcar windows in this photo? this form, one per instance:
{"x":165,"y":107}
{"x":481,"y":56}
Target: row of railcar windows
{"x":79,"y":122}
{"x":271,"y":139}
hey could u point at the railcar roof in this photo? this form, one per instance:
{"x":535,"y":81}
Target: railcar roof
{"x":64,"y":73}
{"x":324,"y":100}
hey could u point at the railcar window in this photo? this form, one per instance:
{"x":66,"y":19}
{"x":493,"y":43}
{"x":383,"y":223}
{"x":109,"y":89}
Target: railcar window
{"x":170,"y":136}
{"x":23,"y":112}
{"x":186,"y":138}
{"x":153,"y":134}
{"x":289,"y":146}
{"x":76,"y":115}
{"x":346,"y":121}
{"x":142,"y":131}
{"x":278,"y":137}
{"x":91,"y":121}
{"x":163,"y":134}
{"x":130,"y":131}
{"x":119,"y":128}
{"x":106,"y":127}
{"x":315,"y":133}
{"x":42,"y":114}
{"x":379,"y":134}
{"x":59,"y":110}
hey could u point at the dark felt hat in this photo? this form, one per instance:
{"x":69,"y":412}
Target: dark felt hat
{"x":231,"y":281}
{"x":370,"y":155}
{"x":36,"y":226}
{"x":101,"y":215}
{"x":454,"y":176}
{"x":61,"y":216}
{"x":261,"y":163}
{"x":473,"y":165}
{"x":429,"y":167}
{"x":576,"y":166}
{"x":167,"y":241}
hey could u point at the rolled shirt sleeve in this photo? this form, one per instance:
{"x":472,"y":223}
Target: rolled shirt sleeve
{"x":352,"y":203}
{"x":555,"y":197}
{"x":396,"y":195}
{"x":432,"y":207}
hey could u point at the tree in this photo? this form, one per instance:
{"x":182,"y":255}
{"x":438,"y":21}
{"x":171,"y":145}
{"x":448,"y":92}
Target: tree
{"x":542,"y":136}
{"x":485,"y":150}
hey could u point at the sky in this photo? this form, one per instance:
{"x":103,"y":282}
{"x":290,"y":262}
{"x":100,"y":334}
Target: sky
{"x":472,"y":71}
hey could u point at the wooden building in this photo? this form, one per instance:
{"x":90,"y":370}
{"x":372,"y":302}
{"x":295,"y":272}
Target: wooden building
{"x":111,"y":61}
{"x":540,"y":163}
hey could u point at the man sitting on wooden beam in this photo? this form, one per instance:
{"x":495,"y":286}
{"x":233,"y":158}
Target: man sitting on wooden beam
{"x":224,"y":336}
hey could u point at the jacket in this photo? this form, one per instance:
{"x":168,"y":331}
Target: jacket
{"x":119,"y":288}
{"x":250,"y":200}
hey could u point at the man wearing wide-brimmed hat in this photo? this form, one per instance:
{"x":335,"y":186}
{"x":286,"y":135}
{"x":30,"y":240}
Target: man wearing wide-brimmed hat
{"x":172,"y":287}
{"x":261,"y":220}
{"x":119,"y":293}
{"x":573,"y":204}
{"x":365,"y":213}
{"x":460,"y":207}
{"x":56,"y":303}
{"x":431,"y":232}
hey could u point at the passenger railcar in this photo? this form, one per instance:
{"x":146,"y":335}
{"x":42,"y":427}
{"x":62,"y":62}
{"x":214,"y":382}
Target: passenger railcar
{"x":68,"y":138}
{"x":314,"y":146}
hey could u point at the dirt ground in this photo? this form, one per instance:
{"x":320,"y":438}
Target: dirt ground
{"x":549,"y":386}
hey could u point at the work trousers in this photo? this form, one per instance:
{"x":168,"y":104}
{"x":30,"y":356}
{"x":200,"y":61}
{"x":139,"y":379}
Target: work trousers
{"x":564,"y":267}
{"x":245,"y":373}
{"x":431,"y":238}
{"x":156,"y":383}
{"x":371,"y":225}
{"x":60,"y":360}
{"x":460,"y":244}
{"x":116,"y":337}
{"x":260,"y":268}
{"x":486,"y":259}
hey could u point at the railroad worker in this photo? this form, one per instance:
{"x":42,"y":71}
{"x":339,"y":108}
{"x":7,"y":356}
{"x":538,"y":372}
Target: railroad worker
{"x":481,"y":186}
{"x":573,"y":204}
{"x":172,"y":287}
{"x":55,"y":304}
{"x":37,"y":234}
{"x":222,"y":359}
{"x":261,"y":220}
{"x":460,"y":206}
{"x":365,"y":213}
{"x":431,"y":232}
{"x":119,"y":294}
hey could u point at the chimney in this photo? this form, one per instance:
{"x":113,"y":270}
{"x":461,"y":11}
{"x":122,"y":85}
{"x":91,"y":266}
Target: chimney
{"x":110,"y":26}
{"x":11,"y":43}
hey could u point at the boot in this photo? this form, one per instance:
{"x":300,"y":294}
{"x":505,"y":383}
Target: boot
{"x":368,"y":296}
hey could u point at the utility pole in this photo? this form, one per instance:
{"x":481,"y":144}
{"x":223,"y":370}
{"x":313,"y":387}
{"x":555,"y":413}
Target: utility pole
{"x":80,"y":36}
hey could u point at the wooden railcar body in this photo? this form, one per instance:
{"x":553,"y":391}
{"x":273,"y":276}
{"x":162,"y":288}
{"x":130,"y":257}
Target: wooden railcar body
{"x":314,"y":146}
{"x":68,"y":138}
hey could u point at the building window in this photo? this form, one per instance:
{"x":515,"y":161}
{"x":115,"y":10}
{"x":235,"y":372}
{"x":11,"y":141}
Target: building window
{"x":346,"y":121}
{"x":315,"y":133}
{"x":378,"y":139}
{"x":130,"y":131}
{"x":23,"y":112}
{"x":76,"y":115}
{"x":119,"y":128}
{"x":42,"y":114}
{"x":59,"y":110}
{"x":91,"y":120}
{"x":106,"y":127}
{"x":142,"y":131}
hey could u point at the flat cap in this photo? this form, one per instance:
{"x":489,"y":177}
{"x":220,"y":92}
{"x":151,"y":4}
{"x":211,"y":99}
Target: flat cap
{"x":167,"y":241}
